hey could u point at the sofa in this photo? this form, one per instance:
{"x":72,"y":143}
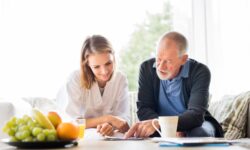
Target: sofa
{"x":232,"y":112}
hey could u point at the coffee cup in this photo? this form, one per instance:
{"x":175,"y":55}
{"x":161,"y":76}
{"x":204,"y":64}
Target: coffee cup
{"x":168,"y":125}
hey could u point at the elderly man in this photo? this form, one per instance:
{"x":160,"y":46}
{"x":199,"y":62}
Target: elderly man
{"x":173,"y":85}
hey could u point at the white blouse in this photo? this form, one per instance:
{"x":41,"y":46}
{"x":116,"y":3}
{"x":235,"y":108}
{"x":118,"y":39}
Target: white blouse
{"x":90,"y":103}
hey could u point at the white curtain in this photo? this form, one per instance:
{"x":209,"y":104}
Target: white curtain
{"x":228,"y":48}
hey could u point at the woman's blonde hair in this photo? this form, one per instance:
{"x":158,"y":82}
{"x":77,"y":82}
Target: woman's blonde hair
{"x":92,"y":45}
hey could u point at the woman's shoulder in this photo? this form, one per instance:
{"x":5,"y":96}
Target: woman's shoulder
{"x":118,"y":75}
{"x":74,"y":76}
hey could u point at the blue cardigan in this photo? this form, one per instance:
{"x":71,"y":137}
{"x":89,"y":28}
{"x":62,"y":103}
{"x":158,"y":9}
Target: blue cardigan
{"x":195,"y":91}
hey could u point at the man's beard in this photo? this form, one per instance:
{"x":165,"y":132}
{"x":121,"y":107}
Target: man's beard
{"x":163,"y":77}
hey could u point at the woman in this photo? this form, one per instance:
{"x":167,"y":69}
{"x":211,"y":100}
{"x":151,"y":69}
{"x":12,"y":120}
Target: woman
{"x":97,"y":92}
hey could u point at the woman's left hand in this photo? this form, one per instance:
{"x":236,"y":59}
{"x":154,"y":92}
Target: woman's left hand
{"x":119,"y":123}
{"x":105,"y":129}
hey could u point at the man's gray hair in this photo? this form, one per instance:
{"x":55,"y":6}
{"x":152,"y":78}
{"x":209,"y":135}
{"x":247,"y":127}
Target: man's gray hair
{"x":180,"y":40}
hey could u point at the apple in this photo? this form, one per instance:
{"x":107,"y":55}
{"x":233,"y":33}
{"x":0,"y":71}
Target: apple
{"x":54,"y":118}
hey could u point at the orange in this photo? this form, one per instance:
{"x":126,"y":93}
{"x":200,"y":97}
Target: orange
{"x":67,"y":131}
{"x":54,"y":118}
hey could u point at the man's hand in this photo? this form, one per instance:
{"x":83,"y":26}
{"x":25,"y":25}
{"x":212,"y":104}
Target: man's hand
{"x":119,"y":124}
{"x":142,"y":129}
{"x":180,"y":134}
{"x":105,"y":129}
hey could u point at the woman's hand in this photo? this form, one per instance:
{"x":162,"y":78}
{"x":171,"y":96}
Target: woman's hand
{"x":105,"y":129}
{"x":120,"y":124}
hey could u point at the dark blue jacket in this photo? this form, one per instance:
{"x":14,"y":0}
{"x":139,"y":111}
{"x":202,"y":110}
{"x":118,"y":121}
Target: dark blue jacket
{"x":195,"y":90}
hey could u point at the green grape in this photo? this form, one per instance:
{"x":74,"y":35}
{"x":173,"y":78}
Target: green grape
{"x":53,"y":132}
{"x":26,"y":118}
{"x":19,"y":135}
{"x":38,"y":125}
{"x":11,"y":132}
{"x":13,"y":119}
{"x":26,"y":133}
{"x":31,"y":123}
{"x":28,"y":139}
{"x":20,"y":121}
{"x":51,"y":137}
{"x":26,"y":129}
{"x":13,"y":139}
{"x":23,"y":127}
{"x":36,"y":131}
{"x":14,"y":128}
{"x":40,"y":137}
{"x":10,"y":124}
{"x":46,"y":132}
{"x":5,"y":128}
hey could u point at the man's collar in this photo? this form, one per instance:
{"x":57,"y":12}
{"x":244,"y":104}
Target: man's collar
{"x":185,"y":69}
{"x":154,"y":65}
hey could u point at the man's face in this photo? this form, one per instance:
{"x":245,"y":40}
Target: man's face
{"x":169,"y":60}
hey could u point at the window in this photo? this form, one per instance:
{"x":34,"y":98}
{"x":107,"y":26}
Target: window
{"x":41,"y":40}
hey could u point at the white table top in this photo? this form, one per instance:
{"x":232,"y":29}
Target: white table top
{"x":93,"y":141}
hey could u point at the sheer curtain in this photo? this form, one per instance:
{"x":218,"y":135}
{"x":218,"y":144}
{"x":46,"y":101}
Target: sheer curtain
{"x":228,"y":31}
{"x":218,"y":33}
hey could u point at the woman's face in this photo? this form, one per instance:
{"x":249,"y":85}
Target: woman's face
{"x":102,"y":65}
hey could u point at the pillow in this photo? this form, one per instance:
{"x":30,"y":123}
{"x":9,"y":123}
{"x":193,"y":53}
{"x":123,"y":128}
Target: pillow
{"x":6,"y":111}
{"x":43,"y":104}
{"x":12,"y":107}
{"x":133,"y":108}
{"x":231,"y":112}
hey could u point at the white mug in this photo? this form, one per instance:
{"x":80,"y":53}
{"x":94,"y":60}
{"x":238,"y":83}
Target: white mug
{"x":168,"y":125}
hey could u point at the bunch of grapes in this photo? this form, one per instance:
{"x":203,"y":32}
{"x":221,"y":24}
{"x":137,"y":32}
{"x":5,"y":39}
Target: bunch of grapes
{"x":26,"y":129}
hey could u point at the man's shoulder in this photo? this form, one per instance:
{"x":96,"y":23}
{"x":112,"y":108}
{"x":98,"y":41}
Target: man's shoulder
{"x":198,"y":69}
{"x":149,"y":62}
{"x":195,"y":65}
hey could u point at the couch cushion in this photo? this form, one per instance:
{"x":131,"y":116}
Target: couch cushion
{"x":6,"y":111}
{"x":12,"y":107}
{"x":133,"y":108}
{"x":231,"y":112}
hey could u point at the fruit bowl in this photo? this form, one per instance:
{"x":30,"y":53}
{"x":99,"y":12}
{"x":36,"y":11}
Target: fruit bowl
{"x":42,"y":145}
{"x":40,"y":131}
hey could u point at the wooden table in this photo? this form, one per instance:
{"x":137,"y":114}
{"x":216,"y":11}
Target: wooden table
{"x":93,"y":141}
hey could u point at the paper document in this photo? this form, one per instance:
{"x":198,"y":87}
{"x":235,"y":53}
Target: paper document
{"x":113,"y":138}
{"x":120,"y":136}
{"x":193,"y":141}
{"x":168,"y":144}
